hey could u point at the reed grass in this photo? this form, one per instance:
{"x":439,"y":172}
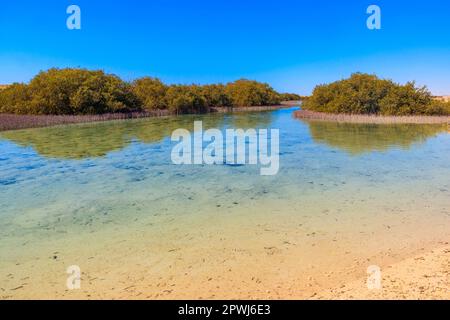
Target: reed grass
{"x":16,"y":122}
{"x":13,"y":121}
{"x":377,"y":119}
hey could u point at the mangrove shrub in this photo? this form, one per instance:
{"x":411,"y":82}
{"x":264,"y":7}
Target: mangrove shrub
{"x":368,"y":94}
{"x":69,"y":92}
{"x":81,"y":91}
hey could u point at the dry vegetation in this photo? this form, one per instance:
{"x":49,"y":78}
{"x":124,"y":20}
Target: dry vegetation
{"x":13,"y":121}
{"x":367,"y":118}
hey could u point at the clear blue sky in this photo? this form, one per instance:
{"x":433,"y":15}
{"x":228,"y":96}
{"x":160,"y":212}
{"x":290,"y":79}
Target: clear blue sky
{"x":291,"y":44}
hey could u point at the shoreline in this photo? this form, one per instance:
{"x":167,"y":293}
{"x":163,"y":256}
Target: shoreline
{"x":283,"y":105}
{"x":371,"y":119}
{"x":9,"y":122}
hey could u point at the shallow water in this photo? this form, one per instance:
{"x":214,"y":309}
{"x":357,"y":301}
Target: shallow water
{"x":106,"y":197}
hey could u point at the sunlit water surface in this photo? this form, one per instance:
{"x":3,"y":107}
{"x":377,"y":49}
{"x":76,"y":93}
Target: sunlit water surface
{"x":106,"y":197}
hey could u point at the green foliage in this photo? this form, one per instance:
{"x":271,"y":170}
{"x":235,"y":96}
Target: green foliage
{"x":438,"y":108}
{"x":367,"y":94}
{"x":14,"y":98}
{"x":186,"y":99}
{"x":405,"y":100}
{"x":216,"y":96}
{"x":291,"y":97}
{"x":245,"y":93}
{"x":81,"y":91}
{"x":151,"y":92}
{"x":69,"y":91}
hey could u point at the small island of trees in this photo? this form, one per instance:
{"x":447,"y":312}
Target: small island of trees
{"x":365,"y":94}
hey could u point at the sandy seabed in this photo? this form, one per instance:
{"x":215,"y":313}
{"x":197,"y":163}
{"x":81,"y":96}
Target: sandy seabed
{"x":139,"y":228}
{"x":426,"y":276}
{"x":253,"y":257}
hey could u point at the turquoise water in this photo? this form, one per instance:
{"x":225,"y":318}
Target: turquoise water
{"x":68,"y":193}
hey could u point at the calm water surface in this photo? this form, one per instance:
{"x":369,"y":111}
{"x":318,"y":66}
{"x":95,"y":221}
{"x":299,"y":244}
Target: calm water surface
{"x":106,"y":197}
